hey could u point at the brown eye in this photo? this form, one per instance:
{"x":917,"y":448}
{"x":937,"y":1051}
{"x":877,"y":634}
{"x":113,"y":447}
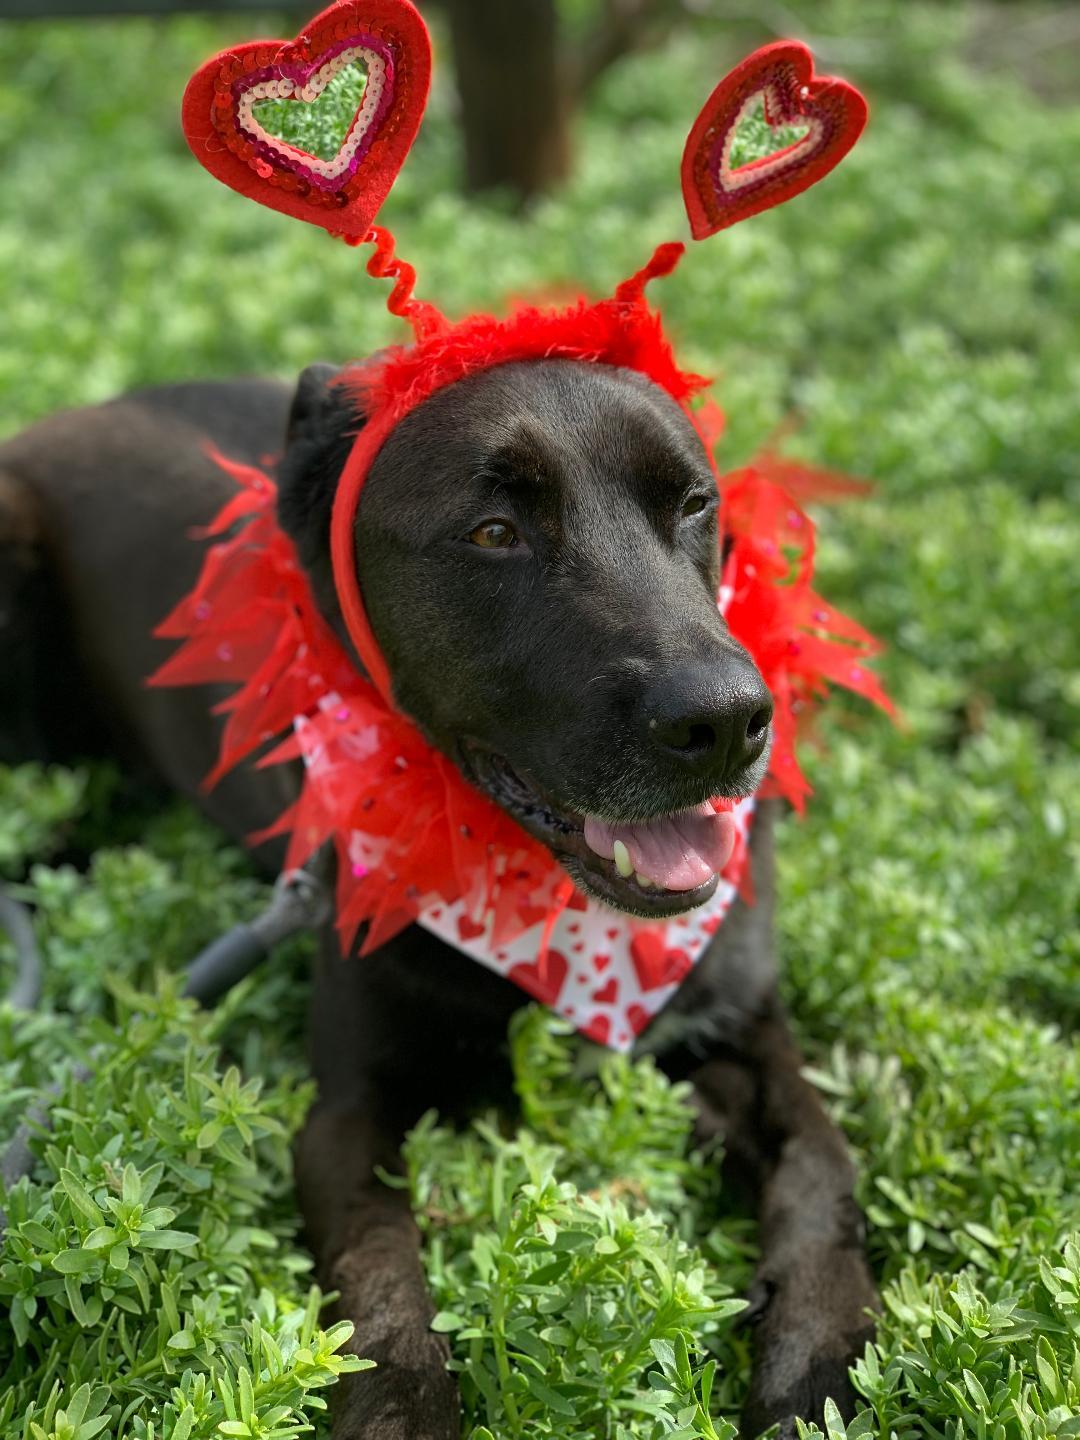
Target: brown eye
{"x":494,"y":535}
{"x":694,"y":505}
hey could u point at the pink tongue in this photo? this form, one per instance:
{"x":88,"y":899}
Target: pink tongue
{"x":678,"y":852}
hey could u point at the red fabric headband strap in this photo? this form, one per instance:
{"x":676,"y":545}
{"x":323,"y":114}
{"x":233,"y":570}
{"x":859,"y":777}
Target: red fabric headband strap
{"x":343,"y":550}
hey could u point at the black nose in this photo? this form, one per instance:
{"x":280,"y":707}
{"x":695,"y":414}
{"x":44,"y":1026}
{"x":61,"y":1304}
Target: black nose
{"x":713,"y":720}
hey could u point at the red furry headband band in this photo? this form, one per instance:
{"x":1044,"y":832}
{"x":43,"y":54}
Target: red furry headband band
{"x":621,"y":331}
{"x":343,"y":194}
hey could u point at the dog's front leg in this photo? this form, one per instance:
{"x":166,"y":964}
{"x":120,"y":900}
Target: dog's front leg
{"x":368,"y":1249}
{"x":813,"y":1290}
{"x":361,"y":1230}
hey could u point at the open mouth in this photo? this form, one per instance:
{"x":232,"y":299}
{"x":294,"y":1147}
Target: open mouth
{"x":658,"y":867}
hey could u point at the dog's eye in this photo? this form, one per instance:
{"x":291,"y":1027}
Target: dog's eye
{"x":694,"y":505}
{"x":494,"y":535}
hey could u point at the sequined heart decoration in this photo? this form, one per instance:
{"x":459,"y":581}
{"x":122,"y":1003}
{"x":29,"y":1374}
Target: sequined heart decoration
{"x":828,"y":113}
{"x":226,"y":100}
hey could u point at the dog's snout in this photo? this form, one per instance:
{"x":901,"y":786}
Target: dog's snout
{"x":711,"y":721}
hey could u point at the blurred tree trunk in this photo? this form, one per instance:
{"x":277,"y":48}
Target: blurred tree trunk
{"x":520,"y":81}
{"x":514,"y":95}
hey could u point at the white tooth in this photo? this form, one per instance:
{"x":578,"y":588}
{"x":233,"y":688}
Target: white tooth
{"x":642,"y":880}
{"x":623,"y":863}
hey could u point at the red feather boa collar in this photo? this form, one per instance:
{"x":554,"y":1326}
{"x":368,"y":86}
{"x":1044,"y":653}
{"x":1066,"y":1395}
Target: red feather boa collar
{"x":428,"y":837}
{"x":251,"y":621}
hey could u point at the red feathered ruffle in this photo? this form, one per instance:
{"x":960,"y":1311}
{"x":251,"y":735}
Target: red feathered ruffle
{"x":407,"y":828}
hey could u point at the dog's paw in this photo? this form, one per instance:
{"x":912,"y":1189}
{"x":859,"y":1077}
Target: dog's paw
{"x":811,"y":1321}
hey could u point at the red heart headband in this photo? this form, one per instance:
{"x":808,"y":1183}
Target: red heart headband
{"x":343,"y":194}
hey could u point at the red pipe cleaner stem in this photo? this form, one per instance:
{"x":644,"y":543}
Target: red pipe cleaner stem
{"x":662,"y":262}
{"x":425,"y":319}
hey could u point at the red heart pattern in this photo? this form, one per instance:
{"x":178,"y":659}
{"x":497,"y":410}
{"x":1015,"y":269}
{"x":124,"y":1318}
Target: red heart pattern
{"x":543,"y":979}
{"x":782,"y":76}
{"x":598,"y":1029}
{"x":637,"y":1017}
{"x":467,"y":927}
{"x":655,"y":964}
{"x":342,"y":194}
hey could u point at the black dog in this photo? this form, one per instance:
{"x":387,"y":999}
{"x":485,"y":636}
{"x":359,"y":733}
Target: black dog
{"x":538,"y":553}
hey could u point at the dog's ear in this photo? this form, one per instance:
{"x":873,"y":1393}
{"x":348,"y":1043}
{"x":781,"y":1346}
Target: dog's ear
{"x":323,"y":422}
{"x":312,"y":402}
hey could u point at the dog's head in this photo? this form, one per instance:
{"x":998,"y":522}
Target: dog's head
{"x":538,"y":555}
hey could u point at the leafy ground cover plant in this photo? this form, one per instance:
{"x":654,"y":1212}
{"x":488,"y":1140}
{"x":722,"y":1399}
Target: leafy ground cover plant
{"x":149,"y":1278}
{"x":910,"y":320}
{"x":565,"y":1255}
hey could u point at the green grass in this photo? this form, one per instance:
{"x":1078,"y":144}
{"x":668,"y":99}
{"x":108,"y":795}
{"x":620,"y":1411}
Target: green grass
{"x":915,"y":318}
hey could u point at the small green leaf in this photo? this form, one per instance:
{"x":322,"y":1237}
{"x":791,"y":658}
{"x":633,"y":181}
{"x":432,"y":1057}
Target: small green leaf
{"x":665,"y":1355}
{"x":90,"y":1428}
{"x":166,"y":1240}
{"x":682,"y":1362}
{"x":983,"y":1235}
{"x":38,"y":1235}
{"x":184,"y":1423}
{"x":1046,"y":1363}
{"x":98,"y":1239}
{"x":551,"y":1398}
{"x":246,"y":1396}
{"x":708,"y":1375}
{"x":209,"y":1135}
{"x":976,"y":1391}
{"x":131,"y":1186}
{"x":863,"y":1424}
{"x":75,"y":1262}
{"x":80,"y":1197}
{"x":336,"y":1336}
{"x":834,"y":1421}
